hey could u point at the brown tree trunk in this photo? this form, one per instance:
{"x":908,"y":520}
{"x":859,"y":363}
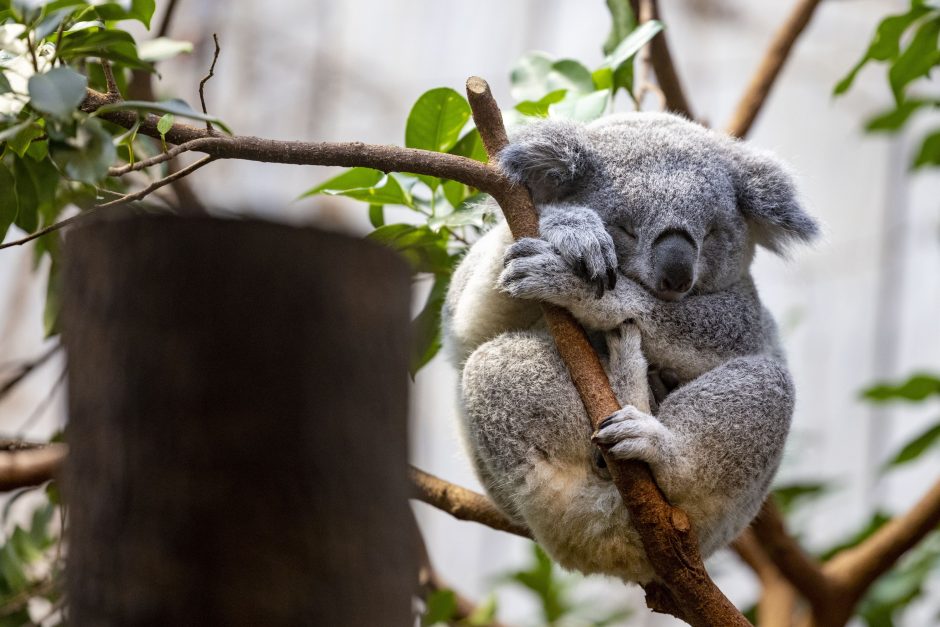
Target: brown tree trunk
{"x":237,"y":426}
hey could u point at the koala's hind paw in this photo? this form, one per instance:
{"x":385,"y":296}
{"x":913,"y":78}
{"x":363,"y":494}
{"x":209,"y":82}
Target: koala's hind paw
{"x":631,"y":434}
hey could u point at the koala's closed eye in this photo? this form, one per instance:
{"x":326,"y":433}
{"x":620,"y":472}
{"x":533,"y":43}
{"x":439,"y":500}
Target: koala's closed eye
{"x":626,"y":230}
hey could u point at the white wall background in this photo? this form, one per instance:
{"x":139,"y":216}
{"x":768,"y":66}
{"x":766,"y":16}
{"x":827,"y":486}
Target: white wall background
{"x":862,"y":306}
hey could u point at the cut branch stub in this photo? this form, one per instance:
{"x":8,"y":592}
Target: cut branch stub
{"x":668,"y":537}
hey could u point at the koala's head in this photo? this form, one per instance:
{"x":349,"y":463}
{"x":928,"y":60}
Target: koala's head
{"x":685,"y":206}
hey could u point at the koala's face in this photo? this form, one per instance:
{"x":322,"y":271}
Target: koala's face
{"x":684,"y":206}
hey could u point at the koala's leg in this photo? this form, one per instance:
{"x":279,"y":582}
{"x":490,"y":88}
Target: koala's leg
{"x":716,"y":445}
{"x":475,"y":309}
{"x":529,"y":436}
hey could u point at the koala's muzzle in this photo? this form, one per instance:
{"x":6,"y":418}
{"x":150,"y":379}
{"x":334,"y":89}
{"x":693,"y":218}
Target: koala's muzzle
{"x":674,"y":259}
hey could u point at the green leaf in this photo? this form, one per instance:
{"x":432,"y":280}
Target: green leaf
{"x":623,"y":22}
{"x":916,"y":447}
{"x":540,"y":579}
{"x":455,"y":192}
{"x":162,"y":48}
{"x":895,"y":119}
{"x":426,"y":327}
{"x":915,"y":389}
{"x":175,"y":107}
{"x":581,"y":108}
{"x":885,"y":45}
{"x":483,"y":614}
{"x":21,"y":141}
{"x":436,"y":119}
{"x":164,"y":124}
{"x":387,"y":191}
{"x":633,"y":42}
{"x":442,"y":608}
{"x":917,"y":59}
{"x":5,"y":87}
{"x":788,"y":497}
{"x":12,"y":568}
{"x":471,"y":146}
{"x":27,"y":198}
{"x":537,"y":74}
{"x":350,"y":179}
{"x":7,"y":200}
{"x":470,"y":212}
{"x":929,"y":153}
{"x":141,"y":10}
{"x":376,"y":215}
{"x":539,"y":107}
{"x":902,"y":585}
{"x":58,"y":92}
{"x":114,"y":44}
{"x":87,"y":156}
{"x":425,"y":249}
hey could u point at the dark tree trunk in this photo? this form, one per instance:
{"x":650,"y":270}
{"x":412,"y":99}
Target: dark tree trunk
{"x":237,"y":426}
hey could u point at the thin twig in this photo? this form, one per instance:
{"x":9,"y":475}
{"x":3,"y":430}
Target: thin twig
{"x":41,"y":408}
{"x":113,"y":92}
{"x":167,"y":19}
{"x":461,"y":503}
{"x":27,"y":368}
{"x":763,"y":80}
{"x":157,"y":159}
{"x":123,"y":200}
{"x":202,"y":83}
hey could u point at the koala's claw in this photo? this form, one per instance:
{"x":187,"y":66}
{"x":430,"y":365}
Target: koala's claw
{"x":631,"y":434}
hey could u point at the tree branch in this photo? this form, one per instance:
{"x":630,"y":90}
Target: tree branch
{"x":763,"y":80}
{"x":123,"y":200}
{"x":665,"y":69}
{"x":800,"y":569}
{"x":202,"y":83}
{"x":24,"y":465}
{"x":777,"y":600}
{"x":666,"y":532}
{"x":461,"y":503}
{"x":26,"y":369}
{"x":858,"y":567}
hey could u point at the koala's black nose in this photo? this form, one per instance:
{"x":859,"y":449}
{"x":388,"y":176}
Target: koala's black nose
{"x":674,"y":259}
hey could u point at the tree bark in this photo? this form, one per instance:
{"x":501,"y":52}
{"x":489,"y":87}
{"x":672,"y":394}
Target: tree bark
{"x":237,"y":426}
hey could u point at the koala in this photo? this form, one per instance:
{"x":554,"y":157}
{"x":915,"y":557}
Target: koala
{"x":649,"y":224}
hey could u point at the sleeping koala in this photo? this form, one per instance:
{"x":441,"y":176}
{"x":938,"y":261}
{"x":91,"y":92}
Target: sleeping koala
{"x":650,"y":223}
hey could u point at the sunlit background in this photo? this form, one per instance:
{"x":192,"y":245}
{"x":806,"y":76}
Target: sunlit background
{"x":861,"y":307}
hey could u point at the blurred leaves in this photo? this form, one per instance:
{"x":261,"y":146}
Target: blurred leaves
{"x":916,"y":388}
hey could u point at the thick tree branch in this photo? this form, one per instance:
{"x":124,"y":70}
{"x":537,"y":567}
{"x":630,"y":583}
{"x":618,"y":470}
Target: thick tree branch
{"x":800,"y":569}
{"x":777,"y":600}
{"x":24,"y":465}
{"x":858,"y":567}
{"x":763,"y":80}
{"x":461,"y":503}
{"x":666,"y":532}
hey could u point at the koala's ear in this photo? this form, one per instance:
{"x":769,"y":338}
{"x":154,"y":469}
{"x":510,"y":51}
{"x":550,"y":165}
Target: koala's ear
{"x":768,"y":198}
{"x":551,"y":157}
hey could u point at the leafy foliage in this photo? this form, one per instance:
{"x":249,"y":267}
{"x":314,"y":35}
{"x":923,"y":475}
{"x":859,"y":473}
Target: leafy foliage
{"x":907,"y":43}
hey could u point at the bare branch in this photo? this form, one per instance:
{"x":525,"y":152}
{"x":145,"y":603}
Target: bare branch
{"x":800,"y":569}
{"x":113,"y":92}
{"x":29,"y":466}
{"x":763,"y":80}
{"x":156,"y":159}
{"x":665,"y":70}
{"x":202,"y":83}
{"x":167,"y":19}
{"x":666,"y":532}
{"x":123,"y":200}
{"x":26,"y":368}
{"x":461,"y":503}
{"x":859,"y":566}
{"x":777,"y":601}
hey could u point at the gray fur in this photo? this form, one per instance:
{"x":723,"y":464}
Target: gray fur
{"x":716,"y":441}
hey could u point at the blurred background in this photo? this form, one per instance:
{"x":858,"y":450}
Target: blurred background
{"x":861,"y":307}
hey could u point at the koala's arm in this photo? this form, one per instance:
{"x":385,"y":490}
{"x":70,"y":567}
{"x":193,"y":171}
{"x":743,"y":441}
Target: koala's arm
{"x":691,"y":335}
{"x":475,"y":310}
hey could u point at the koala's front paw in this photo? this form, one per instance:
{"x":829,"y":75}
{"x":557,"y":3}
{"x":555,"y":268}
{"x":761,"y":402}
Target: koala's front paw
{"x":534,"y":270}
{"x":582,"y":240}
{"x":631,"y":434}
